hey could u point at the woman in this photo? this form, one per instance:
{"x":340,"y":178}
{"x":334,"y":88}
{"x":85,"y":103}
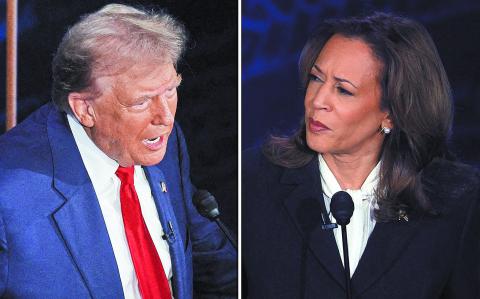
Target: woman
{"x":378,"y":114}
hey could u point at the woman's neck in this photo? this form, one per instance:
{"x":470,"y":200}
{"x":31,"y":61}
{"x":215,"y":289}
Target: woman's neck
{"x":351,"y":171}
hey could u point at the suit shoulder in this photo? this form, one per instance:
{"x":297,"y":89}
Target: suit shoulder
{"x":27,"y":143}
{"x":259,"y":174}
{"x":451,"y":175}
{"x":451,"y":183}
{"x":254,"y":163}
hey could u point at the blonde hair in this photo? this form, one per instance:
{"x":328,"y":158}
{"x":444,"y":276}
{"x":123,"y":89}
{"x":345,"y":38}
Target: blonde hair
{"x":109,"y":41}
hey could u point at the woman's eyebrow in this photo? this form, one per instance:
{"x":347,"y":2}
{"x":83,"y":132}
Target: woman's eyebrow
{"x":335,"y":77}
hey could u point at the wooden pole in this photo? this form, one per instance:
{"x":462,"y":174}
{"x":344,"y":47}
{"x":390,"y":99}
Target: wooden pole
{"x":11,"y":63}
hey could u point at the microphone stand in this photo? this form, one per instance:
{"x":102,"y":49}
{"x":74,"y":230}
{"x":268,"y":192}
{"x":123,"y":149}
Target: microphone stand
{"x":207,"y":206}
{"x":346,"y":262}
{"x":226,"y":232}
{"x":341,"y":206}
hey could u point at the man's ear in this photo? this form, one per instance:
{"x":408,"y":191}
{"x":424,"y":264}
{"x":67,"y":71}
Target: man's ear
{"x":82,"y":108}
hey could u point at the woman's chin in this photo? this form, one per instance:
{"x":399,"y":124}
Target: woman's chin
{"x":317,"y":145}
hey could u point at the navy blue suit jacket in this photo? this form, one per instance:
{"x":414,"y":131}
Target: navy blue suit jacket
{"x":286,"y":254}
{"x":53,"y":239}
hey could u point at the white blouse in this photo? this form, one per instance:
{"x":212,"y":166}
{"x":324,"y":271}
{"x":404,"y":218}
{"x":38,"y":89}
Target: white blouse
{"x":362,"y":222}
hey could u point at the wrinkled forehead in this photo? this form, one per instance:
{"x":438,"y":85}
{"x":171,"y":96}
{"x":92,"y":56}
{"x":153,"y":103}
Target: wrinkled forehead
{"x":148,"y":69}
{"x":142,"y":77}
{"x":122,"y":58}
{"x":118,"y":63}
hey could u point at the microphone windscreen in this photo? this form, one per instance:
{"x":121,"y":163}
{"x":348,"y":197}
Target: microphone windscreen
{"x":206,"y":204}
{"x":342,"y":207}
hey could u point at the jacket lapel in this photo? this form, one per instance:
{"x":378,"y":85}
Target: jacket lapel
{"x":385,"y":245}
{"x":160,"y":192}
{"x":304,"y":203}
{"x":79,"y":219}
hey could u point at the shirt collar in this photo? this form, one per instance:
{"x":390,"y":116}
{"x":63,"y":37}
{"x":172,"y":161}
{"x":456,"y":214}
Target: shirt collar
{"x":100,"y":167}
{"x":330,"y":184}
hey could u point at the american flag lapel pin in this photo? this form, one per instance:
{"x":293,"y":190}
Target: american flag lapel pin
{"x":164,"y":187}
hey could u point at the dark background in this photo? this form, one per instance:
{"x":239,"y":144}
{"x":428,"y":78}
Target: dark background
{"x":207,"y":106}
{"x":274,"y":32}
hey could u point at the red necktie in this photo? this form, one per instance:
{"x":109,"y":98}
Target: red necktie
{"x":151,"y":277}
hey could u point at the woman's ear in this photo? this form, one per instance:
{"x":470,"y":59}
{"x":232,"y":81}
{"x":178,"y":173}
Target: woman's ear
{"x":82,"y":108}
{"x":387,"y":121}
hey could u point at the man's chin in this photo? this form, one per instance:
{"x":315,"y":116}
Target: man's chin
{"x":151,"y":159}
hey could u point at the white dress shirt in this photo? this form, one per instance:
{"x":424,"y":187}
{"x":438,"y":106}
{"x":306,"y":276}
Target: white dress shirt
{"x":101,"y":170}
{"x":362,"y":222}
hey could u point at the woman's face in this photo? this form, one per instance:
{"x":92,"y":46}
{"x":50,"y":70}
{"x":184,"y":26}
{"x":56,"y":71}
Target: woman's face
{"x":342,"y":102}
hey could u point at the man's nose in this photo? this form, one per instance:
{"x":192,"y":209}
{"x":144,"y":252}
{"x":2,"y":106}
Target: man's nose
{"x":162,"y":114}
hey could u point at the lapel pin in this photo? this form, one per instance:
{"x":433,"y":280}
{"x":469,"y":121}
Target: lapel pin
{"x":164,"y":187}
{"x":402,"y":215}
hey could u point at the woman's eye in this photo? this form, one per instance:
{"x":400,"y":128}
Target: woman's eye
{"x":344,"y":91}
{"x":312,"y":77}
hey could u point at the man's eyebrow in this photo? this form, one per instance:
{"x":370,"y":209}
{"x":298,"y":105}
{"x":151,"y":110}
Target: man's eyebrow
{"x":173,"y":82}
{"x":335,"y":77}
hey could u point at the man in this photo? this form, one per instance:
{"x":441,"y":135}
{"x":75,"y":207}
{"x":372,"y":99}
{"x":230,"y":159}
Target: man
{"x":95,"y":195}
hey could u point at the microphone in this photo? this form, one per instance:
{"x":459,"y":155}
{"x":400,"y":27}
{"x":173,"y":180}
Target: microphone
{"x":169,"y":233}
{"x":207,"y":206}
{"x":342,"y":208}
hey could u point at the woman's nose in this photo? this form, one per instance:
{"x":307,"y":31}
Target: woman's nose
{"x":320,"y":97}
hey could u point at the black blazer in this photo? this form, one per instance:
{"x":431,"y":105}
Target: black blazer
{"x":286,"y":254}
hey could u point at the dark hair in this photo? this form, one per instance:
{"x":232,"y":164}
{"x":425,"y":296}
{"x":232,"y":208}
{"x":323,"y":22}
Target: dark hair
{"x":415,"y":92}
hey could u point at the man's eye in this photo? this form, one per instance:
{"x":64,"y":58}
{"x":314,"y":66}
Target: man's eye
{"x":142,"y":103}
{"x":170,"y":92}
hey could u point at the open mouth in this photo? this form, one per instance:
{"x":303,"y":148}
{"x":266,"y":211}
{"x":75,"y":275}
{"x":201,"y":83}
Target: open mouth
{"x":155,"y":143}
{"x":152,"y":141}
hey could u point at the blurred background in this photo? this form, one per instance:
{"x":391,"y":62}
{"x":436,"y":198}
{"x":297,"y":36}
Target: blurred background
{"x":274,"y":32}
{"x":208,"y":101}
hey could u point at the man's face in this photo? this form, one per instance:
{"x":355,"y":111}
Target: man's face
{"x":134,"y":115}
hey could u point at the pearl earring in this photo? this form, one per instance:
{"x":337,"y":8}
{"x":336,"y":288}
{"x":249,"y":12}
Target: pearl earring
{"x":386,"y":130}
